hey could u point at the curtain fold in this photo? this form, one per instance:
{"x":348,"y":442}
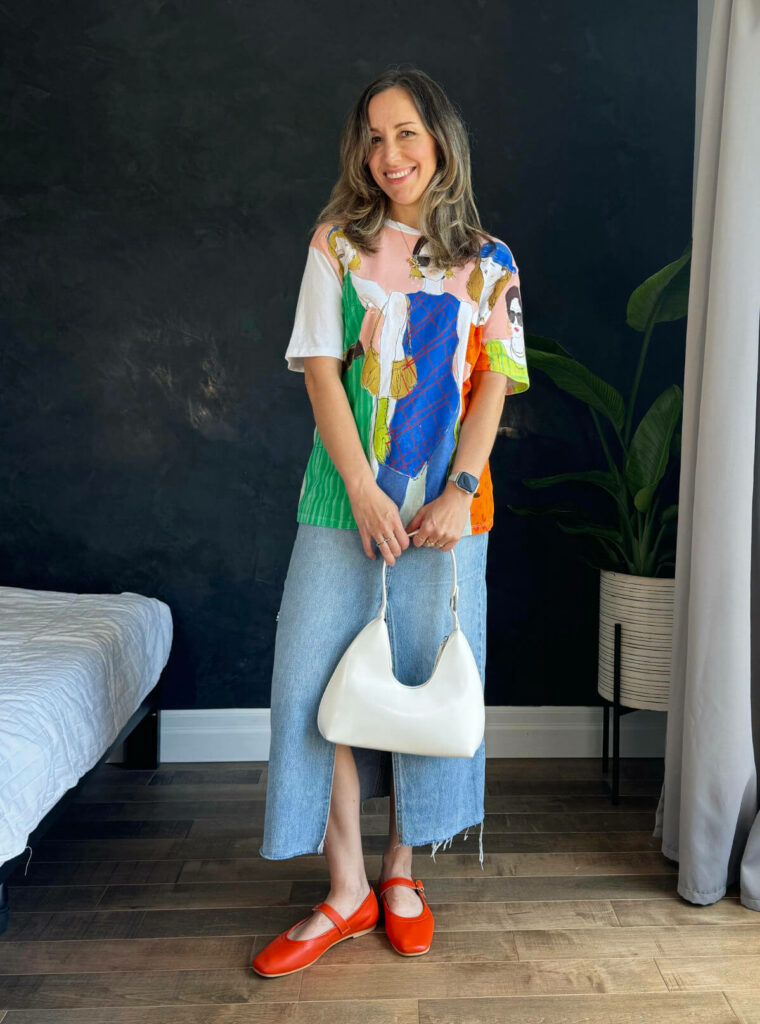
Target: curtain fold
{"x":708,"y":809}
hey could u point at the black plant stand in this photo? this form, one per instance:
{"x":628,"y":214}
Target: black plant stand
{"x":617,"y":710}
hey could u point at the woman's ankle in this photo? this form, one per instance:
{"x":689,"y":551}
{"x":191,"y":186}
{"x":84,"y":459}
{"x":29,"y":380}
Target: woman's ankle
{"x":350,"y":890}
{"x":397,"y":862}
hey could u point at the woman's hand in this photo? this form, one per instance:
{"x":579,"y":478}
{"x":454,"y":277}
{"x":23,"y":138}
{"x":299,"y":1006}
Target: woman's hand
{"x":377,"y":517}
{"x":440,"y":523}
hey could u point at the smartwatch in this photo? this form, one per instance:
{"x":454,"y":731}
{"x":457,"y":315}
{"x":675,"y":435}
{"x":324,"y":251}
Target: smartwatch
{"x":465,"y":482}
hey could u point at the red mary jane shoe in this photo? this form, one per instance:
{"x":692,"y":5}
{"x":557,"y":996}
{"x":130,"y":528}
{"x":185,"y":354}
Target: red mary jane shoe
{"x":409,"y":936}
{"x":284,"y":955}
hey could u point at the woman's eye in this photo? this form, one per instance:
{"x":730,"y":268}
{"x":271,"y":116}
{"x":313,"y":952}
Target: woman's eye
{"x":376,"y":138}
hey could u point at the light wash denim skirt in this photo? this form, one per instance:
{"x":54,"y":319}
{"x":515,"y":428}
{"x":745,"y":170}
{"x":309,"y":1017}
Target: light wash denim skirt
{"x":331,"y":591}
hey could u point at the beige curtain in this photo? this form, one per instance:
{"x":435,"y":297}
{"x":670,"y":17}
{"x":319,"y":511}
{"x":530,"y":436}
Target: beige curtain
{"x":708,"y":811}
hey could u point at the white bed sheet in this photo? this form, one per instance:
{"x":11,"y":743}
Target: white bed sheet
{"x":73,"y":669}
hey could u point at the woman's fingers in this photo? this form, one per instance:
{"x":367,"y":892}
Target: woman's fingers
{"x":367,"y":542}
{"x":386,"y":546}
{"x":431,"y":536}
{"x":391,"y":549}
{"x":400,"y":534}
{"x":383,"y":539}
{"x":390,"y":545}
{"x":390,"y":538}
{"x":380,"y":525}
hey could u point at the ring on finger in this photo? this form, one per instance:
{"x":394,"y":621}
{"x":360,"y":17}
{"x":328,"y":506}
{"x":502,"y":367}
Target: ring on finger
{"x":383,"y":541}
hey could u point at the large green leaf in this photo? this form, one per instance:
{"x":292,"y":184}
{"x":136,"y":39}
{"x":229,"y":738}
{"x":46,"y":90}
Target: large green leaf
{"x":581,"y":383}
{"x":598,"y":477}
{"x":670,"y":286}
{"x":643,"y":499}
{"x":607,"y":532}
{"x":650,"y":447}
{"x":548,"y":510}
{"x":539,"y":343}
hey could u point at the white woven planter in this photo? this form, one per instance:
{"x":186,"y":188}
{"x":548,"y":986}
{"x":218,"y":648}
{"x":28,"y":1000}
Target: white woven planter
{"x":643,"y":605}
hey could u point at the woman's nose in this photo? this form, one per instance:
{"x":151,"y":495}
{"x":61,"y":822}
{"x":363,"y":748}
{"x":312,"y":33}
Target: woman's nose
{"x":392,"y":151}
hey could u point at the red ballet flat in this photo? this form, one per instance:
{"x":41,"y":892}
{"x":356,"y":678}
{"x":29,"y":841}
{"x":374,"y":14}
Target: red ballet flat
{"x":284,"y":955}
{"x":409,"y":936}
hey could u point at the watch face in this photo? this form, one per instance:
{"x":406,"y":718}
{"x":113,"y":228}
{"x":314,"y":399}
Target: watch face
{"x":467,"y":482}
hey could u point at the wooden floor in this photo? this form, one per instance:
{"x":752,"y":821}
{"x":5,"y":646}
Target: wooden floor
{"x":148,"y":900}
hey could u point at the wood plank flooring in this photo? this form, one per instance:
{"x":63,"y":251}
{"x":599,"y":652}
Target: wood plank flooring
{"x":149,"y":898}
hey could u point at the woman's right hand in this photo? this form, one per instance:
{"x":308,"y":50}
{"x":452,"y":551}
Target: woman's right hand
{"x":377,"y":517}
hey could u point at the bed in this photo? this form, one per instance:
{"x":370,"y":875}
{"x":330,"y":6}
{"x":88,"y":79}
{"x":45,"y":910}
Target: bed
{"x":79,"y":674}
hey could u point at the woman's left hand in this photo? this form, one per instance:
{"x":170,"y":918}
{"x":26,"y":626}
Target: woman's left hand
{"x":442,"y":520}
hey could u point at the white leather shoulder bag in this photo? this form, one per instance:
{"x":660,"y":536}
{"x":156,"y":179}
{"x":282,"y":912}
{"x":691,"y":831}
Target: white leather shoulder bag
{"x":364,"y":705}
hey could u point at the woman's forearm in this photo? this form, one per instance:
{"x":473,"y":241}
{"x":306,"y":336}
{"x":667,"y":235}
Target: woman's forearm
{"x":477,"y":431}
{"x":335,"y":422}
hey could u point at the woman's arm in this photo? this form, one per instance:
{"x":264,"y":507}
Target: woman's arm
{"x":376,"y":514}
{"x":443,"y":519}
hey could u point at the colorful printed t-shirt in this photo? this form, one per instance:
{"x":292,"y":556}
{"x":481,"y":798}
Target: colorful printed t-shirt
{"x":408,"y":337}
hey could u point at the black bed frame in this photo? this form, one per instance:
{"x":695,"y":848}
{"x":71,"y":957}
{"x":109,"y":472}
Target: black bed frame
{"x":141,"y":737}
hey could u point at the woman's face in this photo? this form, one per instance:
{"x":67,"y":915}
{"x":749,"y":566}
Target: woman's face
{"x":402,"y":155}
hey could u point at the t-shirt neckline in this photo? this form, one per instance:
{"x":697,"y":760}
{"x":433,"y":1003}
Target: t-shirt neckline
{"x":402,"y":227}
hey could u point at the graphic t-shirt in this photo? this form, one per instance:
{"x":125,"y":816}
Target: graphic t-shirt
{"x":408,"y":335}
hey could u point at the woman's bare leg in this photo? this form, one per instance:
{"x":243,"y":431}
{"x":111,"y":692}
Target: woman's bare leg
{"x":343,"y":848}
{"x":397,"y":860}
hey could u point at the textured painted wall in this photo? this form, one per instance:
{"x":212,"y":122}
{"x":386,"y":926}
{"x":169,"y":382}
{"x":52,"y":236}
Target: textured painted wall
{"x":160,"y":166}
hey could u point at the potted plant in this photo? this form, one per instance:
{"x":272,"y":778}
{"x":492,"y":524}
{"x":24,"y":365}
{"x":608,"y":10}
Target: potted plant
{"x":634,"y":545}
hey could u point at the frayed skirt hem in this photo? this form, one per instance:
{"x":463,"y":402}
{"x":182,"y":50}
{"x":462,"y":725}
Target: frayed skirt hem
{"x":287,"y":856}
{"x":435,"y":845}
{"x":442,"y":844}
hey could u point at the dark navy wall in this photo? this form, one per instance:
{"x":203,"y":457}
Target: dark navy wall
{"x":160,"y":165}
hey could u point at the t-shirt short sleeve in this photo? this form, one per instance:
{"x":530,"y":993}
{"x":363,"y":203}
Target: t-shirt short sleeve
{"x":502,"y":347}
{"x":318,"y":323}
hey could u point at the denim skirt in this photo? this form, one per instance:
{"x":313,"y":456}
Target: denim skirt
{"x":332,"y":590}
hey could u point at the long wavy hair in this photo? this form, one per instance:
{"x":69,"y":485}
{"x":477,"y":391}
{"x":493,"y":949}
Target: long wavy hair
{"x":448,"y":217}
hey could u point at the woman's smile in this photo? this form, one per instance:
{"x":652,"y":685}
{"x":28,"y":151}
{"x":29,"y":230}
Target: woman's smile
{"x":402,"y":175}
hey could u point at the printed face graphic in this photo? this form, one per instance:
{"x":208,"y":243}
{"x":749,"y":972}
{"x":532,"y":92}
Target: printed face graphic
{"x":427,"y":268}
{"x":402,"y":152}
{"x":492,"y":271}
{"x":343,"y":249}
{"x":514,"y":309}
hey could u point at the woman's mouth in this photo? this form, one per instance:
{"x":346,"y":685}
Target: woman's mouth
{"x":397,"y":176}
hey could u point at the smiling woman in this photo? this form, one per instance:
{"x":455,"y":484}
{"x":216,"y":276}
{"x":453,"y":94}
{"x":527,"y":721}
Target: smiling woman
{"x":408,"y":351}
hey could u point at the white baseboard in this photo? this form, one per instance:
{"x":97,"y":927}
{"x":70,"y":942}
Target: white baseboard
{"x":242,"y":734}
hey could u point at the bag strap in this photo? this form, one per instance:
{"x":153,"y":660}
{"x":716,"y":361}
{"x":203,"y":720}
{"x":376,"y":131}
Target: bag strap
{"x":454,"y":589}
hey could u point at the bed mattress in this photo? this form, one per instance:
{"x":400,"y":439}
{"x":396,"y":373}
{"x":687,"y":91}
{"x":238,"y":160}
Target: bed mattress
{"x":73,"y":669}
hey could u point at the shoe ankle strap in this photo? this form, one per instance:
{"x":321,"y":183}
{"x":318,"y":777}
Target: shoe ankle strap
{"x":400,"y":880}
{"x":340,"y":922}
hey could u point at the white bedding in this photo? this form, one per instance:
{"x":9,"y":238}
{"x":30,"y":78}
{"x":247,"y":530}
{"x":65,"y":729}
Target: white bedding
{"x":73,"y":668}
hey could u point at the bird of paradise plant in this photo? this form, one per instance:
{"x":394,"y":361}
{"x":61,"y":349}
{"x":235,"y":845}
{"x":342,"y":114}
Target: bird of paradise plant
{"x":639,"y":537}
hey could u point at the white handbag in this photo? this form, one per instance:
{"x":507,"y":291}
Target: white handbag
{"x":364,"y":705}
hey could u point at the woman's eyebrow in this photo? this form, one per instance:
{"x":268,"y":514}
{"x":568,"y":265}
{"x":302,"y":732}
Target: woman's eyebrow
{"x":399,"y":125}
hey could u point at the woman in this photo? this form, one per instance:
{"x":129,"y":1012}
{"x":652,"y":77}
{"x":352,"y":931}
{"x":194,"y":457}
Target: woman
{"x":408,"y":349}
